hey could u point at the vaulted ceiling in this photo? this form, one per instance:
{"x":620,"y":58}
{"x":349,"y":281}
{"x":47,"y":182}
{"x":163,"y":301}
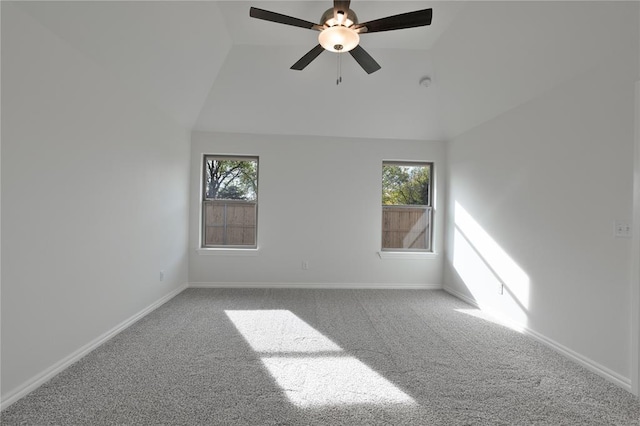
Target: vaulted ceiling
{"x":209,"y":66}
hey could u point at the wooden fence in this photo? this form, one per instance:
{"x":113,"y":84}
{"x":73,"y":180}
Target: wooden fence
{"x":406,"y":227}
{"x":229,"y":223}
{"x":233,"y":223}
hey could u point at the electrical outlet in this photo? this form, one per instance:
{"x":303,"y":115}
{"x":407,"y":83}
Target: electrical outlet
{"x":305,"y":264}
{"x":161,"y":275}
{"x":621,"y":230}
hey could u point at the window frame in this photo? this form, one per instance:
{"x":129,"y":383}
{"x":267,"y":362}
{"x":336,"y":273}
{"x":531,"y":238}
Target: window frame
{"x":203,"y":199}
{"x":385,"y":252}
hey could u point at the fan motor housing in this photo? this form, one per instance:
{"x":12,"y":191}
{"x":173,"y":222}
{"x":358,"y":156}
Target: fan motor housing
{"x":328,"y":15}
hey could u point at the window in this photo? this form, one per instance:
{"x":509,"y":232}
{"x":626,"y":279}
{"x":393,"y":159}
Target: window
{"x":229,"y":201}
{"x":406,"y":206}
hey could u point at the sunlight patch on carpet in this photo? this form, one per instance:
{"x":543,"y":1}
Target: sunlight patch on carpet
{"x":276,"y":331}
{"x":316,"y":381}
{"x":311,"y":369}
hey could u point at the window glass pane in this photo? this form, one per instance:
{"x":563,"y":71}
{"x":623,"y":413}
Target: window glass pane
{"x":229,"y":224}
{"x":405,"y":227}
{"x":405,"y":184}
{"x":231,"y":179}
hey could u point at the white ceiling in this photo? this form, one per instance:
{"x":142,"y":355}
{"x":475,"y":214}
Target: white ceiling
{"x":209,"y":66}
{"x":257,"y":92}
{"x":169,"y":53}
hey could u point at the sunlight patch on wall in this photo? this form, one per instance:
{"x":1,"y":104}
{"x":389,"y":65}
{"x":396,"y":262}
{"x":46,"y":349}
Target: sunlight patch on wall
{"x":491,"y":275}
{"x":311,"y":369}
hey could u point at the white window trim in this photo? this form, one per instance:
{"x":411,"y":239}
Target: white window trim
{"x":222,"y":249}
{"x":407,"y":254}
{"x":218,"y":251}
{"x":392,"y":253}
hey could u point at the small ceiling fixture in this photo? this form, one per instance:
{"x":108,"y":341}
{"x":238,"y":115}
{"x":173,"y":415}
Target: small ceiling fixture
{"x":425,"y":81}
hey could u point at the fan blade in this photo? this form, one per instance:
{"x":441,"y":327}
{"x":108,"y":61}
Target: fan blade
{"x":364,"y":59}
{"x":418,"y":18}
{"x":339,"y":5}
{"x":265,"y":15}
{"x":306,"y":59}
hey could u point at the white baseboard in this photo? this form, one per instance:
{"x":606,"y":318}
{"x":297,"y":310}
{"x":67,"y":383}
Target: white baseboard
{"x":589,"y":364}
{"x":46,"y":375}
{"x":351,"y":286}
{"x":55,"y":369}
{"x":461,"y":296}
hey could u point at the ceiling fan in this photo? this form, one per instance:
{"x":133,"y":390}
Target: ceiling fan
{"x":340,"y":31}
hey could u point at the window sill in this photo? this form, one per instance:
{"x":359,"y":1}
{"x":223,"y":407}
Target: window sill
{"x":407,"y":255}
{"x":227,"y":251}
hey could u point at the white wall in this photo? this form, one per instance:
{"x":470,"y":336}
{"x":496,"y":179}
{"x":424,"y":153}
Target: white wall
{"x":319,"y":200}
{"x":635,"y":274}
{"x":95,"y":202}
{"x":496,"y":55}
{"x":635,"y":256}
{"x":532,"y":197}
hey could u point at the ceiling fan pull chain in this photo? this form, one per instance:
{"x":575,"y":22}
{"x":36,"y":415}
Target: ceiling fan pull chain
{"x":339,"y":76}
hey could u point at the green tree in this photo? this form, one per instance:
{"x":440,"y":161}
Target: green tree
{"x":408,"y":185}
{"x":231,"y":179}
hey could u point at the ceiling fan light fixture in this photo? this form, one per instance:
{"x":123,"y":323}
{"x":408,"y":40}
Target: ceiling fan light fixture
{"x":340,"y":31}
{"x":338,"y":39}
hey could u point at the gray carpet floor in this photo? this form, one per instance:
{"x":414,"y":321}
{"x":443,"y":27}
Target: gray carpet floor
{"x":322,"y":357}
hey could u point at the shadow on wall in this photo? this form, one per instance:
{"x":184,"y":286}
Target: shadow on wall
{"x":494,"y":279}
